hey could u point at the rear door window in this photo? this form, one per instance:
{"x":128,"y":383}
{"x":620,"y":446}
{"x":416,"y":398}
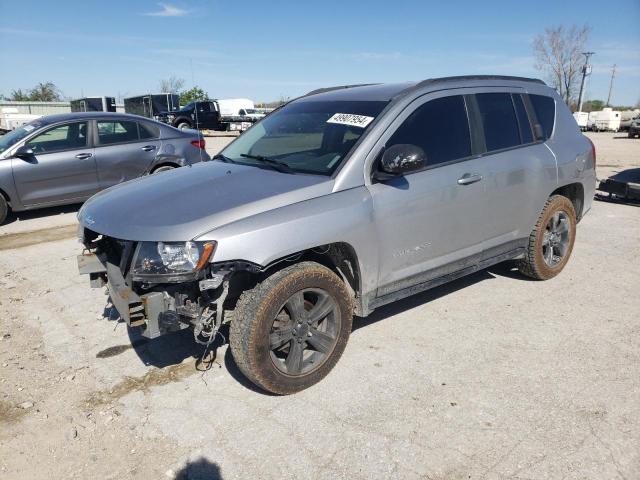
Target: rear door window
{"x":523,"y":119}
{"x":499,"y":120}
{"x":545,"y":108}
{"x":440,"y":127}
{"x":119,"y":131}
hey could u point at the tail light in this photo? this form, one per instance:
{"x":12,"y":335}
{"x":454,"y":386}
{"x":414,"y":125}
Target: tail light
{"x":198,"y":143}
{"x":593,"y":152}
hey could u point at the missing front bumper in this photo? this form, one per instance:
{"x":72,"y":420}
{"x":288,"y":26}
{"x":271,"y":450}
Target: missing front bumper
{"x":154,"y":311}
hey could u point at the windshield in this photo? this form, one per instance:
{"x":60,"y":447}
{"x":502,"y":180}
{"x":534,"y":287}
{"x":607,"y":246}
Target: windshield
{"x":306,"y":136}
{"x":13,"y":137}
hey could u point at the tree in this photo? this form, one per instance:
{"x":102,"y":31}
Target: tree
{"x":45,"y":92}
{"x":558,"y":52}
{"x":171,"y":85}
{"x":19,"y":95}
{"x":593,"y":105}
{"x":195,"y":94}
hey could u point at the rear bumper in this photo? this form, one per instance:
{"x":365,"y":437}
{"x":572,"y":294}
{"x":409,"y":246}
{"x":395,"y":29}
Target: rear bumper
{"x":154,"y":311}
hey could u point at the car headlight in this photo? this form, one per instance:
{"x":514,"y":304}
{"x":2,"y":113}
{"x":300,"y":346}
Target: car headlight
{"x":170,"y":261}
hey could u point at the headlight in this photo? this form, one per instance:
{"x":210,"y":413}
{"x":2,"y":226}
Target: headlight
{"x":171,"y":118}
{"x":170,"y":261}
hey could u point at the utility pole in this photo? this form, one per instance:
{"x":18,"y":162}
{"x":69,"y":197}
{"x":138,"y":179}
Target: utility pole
{"x":586,"y":70}
{"x":613,"y":75}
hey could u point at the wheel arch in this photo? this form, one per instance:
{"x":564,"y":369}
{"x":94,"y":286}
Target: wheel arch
{"x":575,"y":193}
{"x":339,"y":257}
{"x":163,"y":164}
{"x":163,"y":160}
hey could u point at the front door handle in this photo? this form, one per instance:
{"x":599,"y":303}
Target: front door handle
{"x":148,"y":148}
{"x":469,"y":178}
{"x":82,"y":156}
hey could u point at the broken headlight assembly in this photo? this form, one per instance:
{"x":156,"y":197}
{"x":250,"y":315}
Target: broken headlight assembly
{"x":158,"y":262}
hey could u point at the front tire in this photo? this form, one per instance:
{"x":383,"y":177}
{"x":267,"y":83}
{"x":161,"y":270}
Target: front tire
{"x":289,"y":331}
{"x":183,"y":126}
{"x":4,"y":209}
{"x":551,"y":241}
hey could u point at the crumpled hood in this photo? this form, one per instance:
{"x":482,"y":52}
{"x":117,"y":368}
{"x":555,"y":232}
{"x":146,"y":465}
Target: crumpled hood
{"x":187,"y":202}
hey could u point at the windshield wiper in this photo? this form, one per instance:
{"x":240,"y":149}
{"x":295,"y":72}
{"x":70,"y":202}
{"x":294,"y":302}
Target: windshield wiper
{"x":223,"y":158}
{"x":280,"y":166}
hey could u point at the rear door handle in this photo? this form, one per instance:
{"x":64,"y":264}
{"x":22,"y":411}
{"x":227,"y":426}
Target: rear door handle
{"x":148,"y":148}
{"x":469,"y":178}
{"x":82,"y":156}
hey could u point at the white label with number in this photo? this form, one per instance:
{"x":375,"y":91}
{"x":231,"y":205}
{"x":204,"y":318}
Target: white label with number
{"x":350,"y":119}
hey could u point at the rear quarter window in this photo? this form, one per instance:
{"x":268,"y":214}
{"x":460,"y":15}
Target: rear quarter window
{"x":545,"y":108}
{"x":148,"y":130}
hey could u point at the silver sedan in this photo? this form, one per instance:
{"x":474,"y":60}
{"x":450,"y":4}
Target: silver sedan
{"x":64,"y":159}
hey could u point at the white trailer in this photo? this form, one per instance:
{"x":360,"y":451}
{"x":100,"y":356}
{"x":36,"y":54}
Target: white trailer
{"x":10,"y":118}
{"x":582,"y":119}
{"x":606,"y":120}
{"x":230,"y":107}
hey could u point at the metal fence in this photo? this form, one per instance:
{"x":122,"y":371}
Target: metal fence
{"x":37,"y":108}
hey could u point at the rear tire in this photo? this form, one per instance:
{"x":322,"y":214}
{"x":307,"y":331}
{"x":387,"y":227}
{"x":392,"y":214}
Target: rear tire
{"x":551,"y":241}
{"x":274,"y":338}
{"x":162,"y":168}
{"x":4,"y":209}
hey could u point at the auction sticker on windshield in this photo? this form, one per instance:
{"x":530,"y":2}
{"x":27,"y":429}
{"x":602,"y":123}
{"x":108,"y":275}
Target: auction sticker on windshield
{"x":350,"y":119}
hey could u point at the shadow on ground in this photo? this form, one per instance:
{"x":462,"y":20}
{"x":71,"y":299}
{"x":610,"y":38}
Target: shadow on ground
{"x":201,"y":469}
{"x":504,"y":269}
{"x":41,"y":212}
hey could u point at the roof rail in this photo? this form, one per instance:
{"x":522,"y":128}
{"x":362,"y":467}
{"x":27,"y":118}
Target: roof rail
{"x":478,"y":77}
{"x":340,"y":87}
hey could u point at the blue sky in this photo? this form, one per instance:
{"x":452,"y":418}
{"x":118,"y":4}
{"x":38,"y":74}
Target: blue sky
{"x":265,"y":50}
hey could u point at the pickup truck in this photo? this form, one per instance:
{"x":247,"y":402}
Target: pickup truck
{"x":205,"y":115}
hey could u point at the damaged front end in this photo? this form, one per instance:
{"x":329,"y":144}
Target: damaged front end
{"x":160,"y":286}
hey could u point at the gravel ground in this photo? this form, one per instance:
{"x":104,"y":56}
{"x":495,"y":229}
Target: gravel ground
{"x":492,"y":376}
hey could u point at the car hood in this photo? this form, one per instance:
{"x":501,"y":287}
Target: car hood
{"x":188,"y":202}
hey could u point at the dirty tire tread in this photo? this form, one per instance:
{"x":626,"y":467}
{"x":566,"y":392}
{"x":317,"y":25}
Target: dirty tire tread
{"x":532,"y":265}
{"x":251,"y":309}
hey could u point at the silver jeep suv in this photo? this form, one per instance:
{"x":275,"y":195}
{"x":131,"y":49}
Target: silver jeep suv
{"x":341,"y":201}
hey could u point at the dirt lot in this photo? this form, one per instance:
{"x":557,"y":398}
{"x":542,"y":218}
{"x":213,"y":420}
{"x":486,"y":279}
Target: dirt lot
{"x":492,"y":376}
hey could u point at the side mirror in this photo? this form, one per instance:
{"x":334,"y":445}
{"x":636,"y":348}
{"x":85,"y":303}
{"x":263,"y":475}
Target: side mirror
{"x":402,"y":158}
{"x":24,"y":153}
